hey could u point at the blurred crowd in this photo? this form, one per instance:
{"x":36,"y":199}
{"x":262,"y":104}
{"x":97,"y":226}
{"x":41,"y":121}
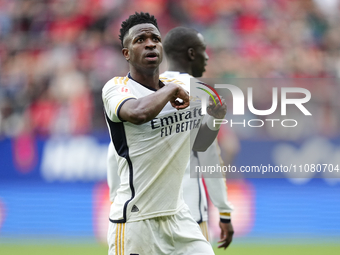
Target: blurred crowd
{"x":56,"y":55}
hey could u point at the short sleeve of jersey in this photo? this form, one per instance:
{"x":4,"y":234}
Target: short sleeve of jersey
{"x":115,"y":93}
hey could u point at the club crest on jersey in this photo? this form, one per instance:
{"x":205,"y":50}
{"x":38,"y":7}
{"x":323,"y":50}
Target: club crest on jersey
{"x":124,"y":90}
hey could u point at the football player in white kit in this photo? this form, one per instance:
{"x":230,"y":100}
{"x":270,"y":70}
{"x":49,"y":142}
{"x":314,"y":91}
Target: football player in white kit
{"x":150,"y":130}
{"x":185,"y":50}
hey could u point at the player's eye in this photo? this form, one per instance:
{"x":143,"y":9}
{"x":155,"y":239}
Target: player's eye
{"x":156,"y":39}
{"x":140,"y":40}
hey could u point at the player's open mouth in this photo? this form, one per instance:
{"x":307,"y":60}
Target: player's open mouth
{"x":151,"y":56}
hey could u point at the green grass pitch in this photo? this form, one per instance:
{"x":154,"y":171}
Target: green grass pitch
{"x":238,"y":249}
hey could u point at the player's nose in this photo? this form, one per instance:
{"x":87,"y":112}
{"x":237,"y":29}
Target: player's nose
{"x":149,"y":43}
{"x":206,"y":56}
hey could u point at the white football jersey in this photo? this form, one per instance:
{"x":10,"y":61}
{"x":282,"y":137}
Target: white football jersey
{"x":151,"y":157}
{"x":113,"y":179}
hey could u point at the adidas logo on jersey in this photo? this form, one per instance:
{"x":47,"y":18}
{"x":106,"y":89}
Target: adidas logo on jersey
{"x":134,"y":209}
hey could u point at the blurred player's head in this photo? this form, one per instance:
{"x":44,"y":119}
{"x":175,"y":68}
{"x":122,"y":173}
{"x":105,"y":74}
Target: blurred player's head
{"x":141,"y":42}
{"x":185,"y":51}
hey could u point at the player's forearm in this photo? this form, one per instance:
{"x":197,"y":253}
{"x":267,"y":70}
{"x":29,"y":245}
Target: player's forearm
{"x":209,"y":129}
{"x":145,"y":109}
{"x":206,"y":134}
{"x":204,"y":138}
{"x":218,"y":194}
{"x":217,"y":191}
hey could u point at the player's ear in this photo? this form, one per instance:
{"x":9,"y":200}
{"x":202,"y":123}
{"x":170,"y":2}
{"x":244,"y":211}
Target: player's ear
{"x":191,"y":54}
{"x":126,"y":53}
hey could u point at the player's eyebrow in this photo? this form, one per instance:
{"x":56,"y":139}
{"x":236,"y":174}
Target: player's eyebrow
{"x":143,"y":34}
{"x":140,"y":33}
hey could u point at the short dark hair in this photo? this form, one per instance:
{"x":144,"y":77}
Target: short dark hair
{"x":179,"y":40}
{"x":135,"y":19}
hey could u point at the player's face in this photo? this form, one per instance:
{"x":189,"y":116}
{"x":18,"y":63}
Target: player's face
{"x":201,"y":57}
{"x":143,"y":47}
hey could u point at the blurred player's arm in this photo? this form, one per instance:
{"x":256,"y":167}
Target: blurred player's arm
{"x":229,"y":143}
{"x":209,"y":130}
{"x":217,"y":191}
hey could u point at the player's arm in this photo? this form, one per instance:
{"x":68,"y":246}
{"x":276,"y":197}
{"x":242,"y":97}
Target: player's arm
{"x":209,"y":129}
{"x":144,"y":109}
{"x":127,"y":107}
{"x":217,"y":191}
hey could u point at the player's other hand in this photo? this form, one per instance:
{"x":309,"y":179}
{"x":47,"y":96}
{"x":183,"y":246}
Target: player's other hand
{"x":180,"y":98}
{"x":218,"y":111}
{"x":227,"y":232}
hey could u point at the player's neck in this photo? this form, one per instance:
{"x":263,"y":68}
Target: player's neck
{"x":177,"y":67}
{"x":150,"y":80}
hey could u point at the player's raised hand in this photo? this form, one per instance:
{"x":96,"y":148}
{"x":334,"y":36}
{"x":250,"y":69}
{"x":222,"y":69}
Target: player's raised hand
{"x":180,"y":98}
{"x":217,"y":110}
{"x":227,"y":232}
